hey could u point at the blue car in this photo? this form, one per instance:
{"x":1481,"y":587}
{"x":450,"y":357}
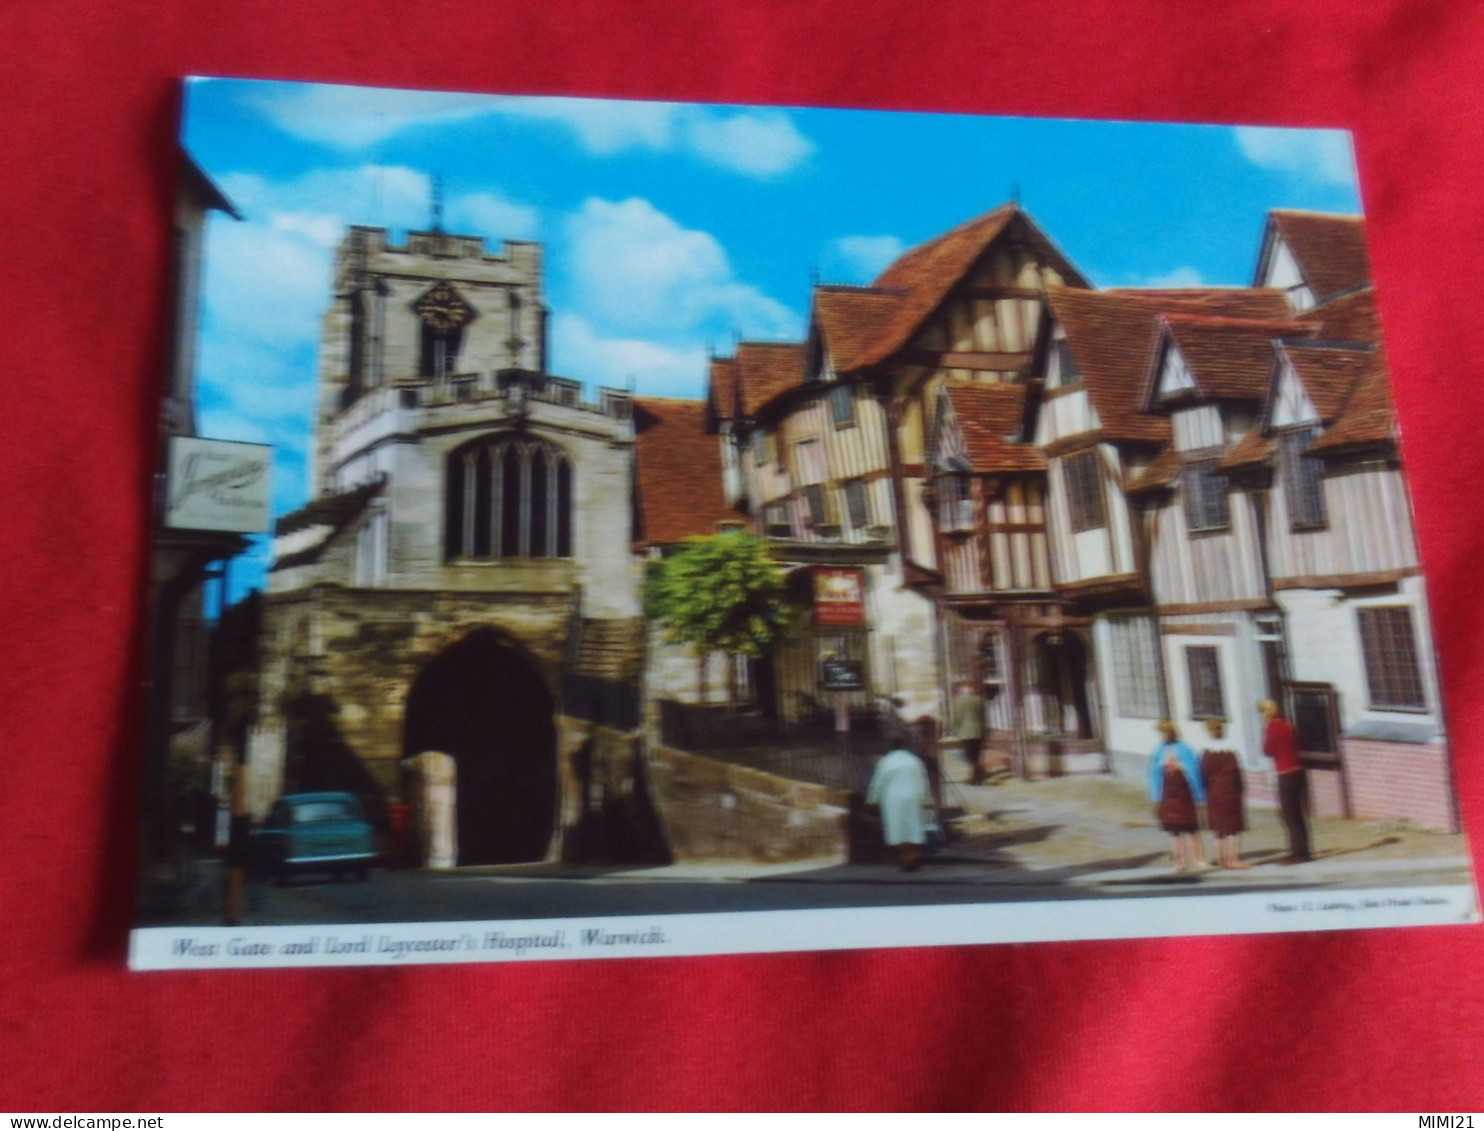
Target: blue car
{"x":314,"y":832}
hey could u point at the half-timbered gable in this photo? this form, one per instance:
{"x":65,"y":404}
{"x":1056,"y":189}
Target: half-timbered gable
{"x":1313,"y":257}
{"x":990,"y":492}
{"x":964,"y":306}
{"x":762,"y":370}
{"x":1210,"y":375}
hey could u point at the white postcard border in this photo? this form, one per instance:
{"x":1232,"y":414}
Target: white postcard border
{"x":765,"y":932}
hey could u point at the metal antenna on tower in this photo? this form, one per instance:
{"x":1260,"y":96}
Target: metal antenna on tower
{"x":1015,"y":193}
{"x":437,"y":202}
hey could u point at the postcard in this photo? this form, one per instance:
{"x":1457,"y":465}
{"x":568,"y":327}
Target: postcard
{"x":606,"y":529}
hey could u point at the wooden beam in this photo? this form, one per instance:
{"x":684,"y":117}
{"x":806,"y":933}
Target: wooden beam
{"x":1374,"y":579}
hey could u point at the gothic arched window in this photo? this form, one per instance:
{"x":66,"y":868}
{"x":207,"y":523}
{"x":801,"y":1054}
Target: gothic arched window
{"x":508,"y":497}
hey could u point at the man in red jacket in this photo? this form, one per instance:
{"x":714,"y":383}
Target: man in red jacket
{"x":1280,"y":743}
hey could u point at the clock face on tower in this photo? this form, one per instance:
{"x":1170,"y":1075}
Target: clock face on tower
{"x":442,"y":308}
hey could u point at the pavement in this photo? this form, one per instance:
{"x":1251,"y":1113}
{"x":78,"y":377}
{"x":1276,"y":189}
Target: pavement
{"x":1073,"y":838}
{"x":1086,"y":831}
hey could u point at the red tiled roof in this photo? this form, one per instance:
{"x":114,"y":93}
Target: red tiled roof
{"x":1329,"y":249}
{"x":765,"y":369}
{"x":1160,"y":473}
{"x":1368,"y":418}
{"x":721,"y":388}
{"x":850,"y":318}
{"x":330,"y":510}
{"x":678,"y":471}
{"x":987,"y":413}
{"x":1112,"y":335}
{"x":1229,"y":358}
{"x":1252,"y":450}
{"x":1351,"y":318}
{"x":1329,"y":375}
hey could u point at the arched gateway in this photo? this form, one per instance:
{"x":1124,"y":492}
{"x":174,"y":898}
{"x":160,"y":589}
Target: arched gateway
{"x":482,"y":701}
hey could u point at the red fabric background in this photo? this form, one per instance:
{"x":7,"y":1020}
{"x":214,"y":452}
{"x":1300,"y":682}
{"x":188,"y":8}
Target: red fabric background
{"x":1381,"y":1019}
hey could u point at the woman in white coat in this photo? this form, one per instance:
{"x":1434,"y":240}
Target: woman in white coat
{"x":900,"y":787}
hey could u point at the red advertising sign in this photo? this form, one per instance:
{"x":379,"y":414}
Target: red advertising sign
{"x":839,"y":597}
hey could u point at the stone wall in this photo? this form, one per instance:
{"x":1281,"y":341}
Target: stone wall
{"x":607,"y":812}
{"x":337,"y":666}
{"x":712,"y":810}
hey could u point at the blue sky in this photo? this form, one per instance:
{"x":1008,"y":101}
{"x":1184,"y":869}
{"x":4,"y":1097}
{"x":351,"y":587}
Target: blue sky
{"x":670,"y":228}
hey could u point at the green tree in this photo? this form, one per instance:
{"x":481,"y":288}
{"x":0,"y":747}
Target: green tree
{"x":722,"y":593}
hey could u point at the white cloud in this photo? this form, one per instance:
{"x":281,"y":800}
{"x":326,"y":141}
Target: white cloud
{"x":387,"y":195}
{"x":493,"y":216}
{"x":636,"y":268}
{"x":602,"y":127}
{"x":763,"y":143}
{"x":1320,"y":156}
{"x":353,"y":117}
{"x":579,"y":350}
{"x":760,"y":143}
{"x":859,"y":259}
{"x":1179,"y":277}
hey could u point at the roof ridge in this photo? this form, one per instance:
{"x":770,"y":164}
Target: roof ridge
{"x":859,"y":288}
{"x":961,"y":226}
{"x":1358,"y":216}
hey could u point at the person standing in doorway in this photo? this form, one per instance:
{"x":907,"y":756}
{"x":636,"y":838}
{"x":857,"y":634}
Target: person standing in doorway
{"x":1221,"y":774}
{"x":1280,"y":743}
{"x":1176,"y":789}
{"x":968,"y":728}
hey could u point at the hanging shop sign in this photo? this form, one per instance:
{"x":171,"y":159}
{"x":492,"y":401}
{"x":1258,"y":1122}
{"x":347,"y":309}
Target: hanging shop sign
{"x":839,"y":597}
{"x":217,"y":485}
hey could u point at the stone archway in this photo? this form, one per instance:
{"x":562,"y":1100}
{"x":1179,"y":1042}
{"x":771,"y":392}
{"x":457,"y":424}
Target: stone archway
{"x":483,"y":701}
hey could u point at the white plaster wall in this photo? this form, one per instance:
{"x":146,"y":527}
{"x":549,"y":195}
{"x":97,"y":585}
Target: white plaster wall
{"x":1241,"y":688}
{"x":1324,"y":645}
{"x":904,"y":658}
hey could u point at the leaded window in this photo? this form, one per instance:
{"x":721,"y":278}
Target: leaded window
{"x":775,"y":521}
{"x":857,"y":504}
{"x":1066,"y":368}
{"x":1085,"y":491}
{"x":842,"y":406}
{"x":955,"y":503}
{"x":1206,"y":503}
{"x":1203,"y":665}
{"x":1135,"y":644}
{"x":818,"y":510}
{"x":1391,"y":670}
{"x":509,"y":497}
{"x":1303,"y":479}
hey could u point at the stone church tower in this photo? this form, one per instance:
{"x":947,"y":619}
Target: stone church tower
{"x":468,"y":536}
